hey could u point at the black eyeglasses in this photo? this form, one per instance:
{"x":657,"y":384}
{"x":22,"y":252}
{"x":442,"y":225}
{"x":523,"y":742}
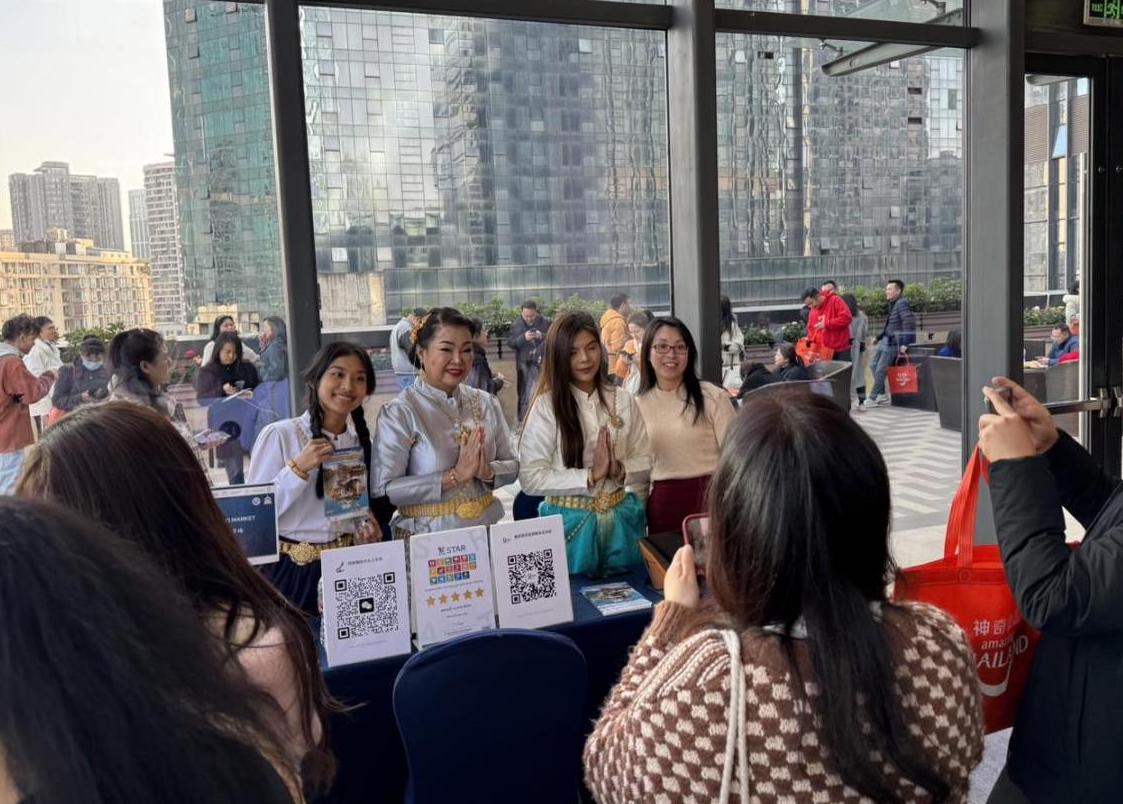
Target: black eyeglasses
{"x":666,"y":348}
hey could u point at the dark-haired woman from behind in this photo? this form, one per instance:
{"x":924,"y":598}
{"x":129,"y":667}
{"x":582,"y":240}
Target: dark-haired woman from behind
{"x":585,"y":449}
{"x":686,"y":421}
{"x":786,"y":367}
{"x":290,"y":454}
{"x":123,"y":466}
{"x":793,"y":677}
{"x":113,"y":689}
{"x":142,"y":370}
{"x":443,"y":446}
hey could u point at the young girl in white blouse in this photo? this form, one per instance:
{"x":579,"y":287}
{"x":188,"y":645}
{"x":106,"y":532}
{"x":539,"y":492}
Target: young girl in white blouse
{"x":289,"y":454}
{"x":584,"y":448}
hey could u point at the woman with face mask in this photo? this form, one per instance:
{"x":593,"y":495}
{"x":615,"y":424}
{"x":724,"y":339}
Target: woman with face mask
{"x":84,"y":381}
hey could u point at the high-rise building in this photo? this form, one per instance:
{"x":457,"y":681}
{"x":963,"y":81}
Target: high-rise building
{"x":165,"y":247}
{"x":52,"y":197}
{"x":7,"y":240}
{"x":75,"y":283}
{"x":461,"y":159}
{"x":222,"y":128}
{"x":138,"y":225}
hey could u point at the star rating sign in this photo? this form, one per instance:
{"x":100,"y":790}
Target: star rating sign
{"x":432,"y":601}
{"x":479,"y":593}
{"x":443,"y":599}
{"x":455,"y":597}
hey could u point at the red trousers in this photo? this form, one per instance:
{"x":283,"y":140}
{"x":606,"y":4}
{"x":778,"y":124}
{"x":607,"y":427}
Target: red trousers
{"x":672,"y":501}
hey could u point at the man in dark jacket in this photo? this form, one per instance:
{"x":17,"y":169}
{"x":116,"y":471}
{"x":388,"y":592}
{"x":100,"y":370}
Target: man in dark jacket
{"x":528,"y":335}
{"x":1066,"y":743}
{"x":85,"y":380}
{"x":894,"y":340}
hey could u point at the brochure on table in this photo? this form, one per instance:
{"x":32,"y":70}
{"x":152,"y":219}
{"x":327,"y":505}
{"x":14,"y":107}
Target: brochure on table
{"x":252,"y":515}
{"x":451,"y":582}
{"x":366,"y":603}
{"x":531,"y":573}
{"x":616,"y":597}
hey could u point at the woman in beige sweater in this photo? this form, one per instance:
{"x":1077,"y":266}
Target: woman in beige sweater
{"x":792,"y":677}
{"x":686,"y":421}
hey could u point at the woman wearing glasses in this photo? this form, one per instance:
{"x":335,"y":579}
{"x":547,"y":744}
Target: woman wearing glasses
{"x":686,"y":421}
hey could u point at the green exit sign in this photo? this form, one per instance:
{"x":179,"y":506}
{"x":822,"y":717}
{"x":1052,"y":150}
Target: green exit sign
{"x":1108,"y":13}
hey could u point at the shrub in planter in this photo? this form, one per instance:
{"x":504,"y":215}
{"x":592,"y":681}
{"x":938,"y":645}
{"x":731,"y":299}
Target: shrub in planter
{"x":793,"y":331}
{"x":758,"y":336}
{"x":1044,"y":317}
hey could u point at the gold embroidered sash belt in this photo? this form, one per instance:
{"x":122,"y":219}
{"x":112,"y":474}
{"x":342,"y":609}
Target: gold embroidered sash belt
{"x":302,"y":553}
{"x":601,"y":504}
{"x":472,"y":508}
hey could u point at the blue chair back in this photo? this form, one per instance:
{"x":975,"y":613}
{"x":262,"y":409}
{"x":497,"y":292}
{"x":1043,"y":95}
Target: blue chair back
{"x":493,"y":716}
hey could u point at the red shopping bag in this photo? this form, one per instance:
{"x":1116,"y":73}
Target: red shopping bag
{"x":969,"y":583}
{"x":812,"y":351}
{"x":904,"y":378}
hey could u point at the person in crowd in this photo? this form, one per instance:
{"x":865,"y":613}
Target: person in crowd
{"x":142,"y":370}
{"x":859,"y":333}
{"x":86,"y":461}
{"x":1064,"y":344}
{"x":828,"y":324}
{"x":686,"y":421}
{"x":786,"y":367}
{"x":273,"y":362}
{"x":227,"y":375}
{"x":527,"y":336}
{"x":829,"y":286}
{"x":806,"y":682}
{"x":290,"y":453}
{"x":19,"y":389}
{"x":1064,"y":746}
{"x":84,"y":381}
{"x":627,"y":369}
{"x":732,"y":345}
{"x":44,"y":356}
{"x":585,"y":449}
{"x":481,"y":375}
{"x":892,"y":342}
{"x":954,"y":345}
{"x":443,"y":446}
{"x":401,"y":345}
{"x":113,"y":689}
{"x":1072,"y":303}
{"x":225,"y":323}
{"x":614,"y":326}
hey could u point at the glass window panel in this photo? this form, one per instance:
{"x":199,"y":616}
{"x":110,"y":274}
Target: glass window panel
{"x":949,"y":12}
{"x":507,"y":160}
{"x":858,"y":179}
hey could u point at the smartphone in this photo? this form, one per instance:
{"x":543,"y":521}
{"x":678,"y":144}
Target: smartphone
{"x":1007,"y":395}
{"x":695,"y":531}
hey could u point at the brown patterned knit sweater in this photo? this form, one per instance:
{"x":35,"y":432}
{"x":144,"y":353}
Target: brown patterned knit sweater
{"x":662,"y":734}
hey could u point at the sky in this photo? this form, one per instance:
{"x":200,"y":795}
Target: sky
{"x":85,"y":82}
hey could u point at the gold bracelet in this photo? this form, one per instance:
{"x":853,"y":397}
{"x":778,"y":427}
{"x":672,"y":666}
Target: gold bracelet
{"x":296,"y":470}
{"x":453,"y":480}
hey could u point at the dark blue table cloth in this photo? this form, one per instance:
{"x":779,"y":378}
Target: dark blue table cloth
{"x":372,"y":763}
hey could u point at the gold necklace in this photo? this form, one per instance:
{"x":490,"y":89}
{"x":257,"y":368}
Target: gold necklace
{"x":614,"y":417}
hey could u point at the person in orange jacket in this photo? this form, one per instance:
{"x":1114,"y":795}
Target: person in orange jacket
{"x":829,"y":321}
{"x":614,"y":326}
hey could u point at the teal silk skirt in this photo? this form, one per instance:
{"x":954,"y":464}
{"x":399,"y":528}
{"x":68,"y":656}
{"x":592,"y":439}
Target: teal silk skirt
{"x":602,"y":544}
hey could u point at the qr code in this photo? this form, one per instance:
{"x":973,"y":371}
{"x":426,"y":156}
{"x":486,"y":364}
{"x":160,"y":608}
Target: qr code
{"x":366,"y":605}
{"x":531,"y":576}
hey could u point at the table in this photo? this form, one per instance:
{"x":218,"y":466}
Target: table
{"x":372,"y":763}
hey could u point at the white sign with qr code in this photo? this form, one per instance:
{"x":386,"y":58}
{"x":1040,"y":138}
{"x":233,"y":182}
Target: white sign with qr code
{"x":366,"y":602}
{"x":531,"y":573}
{"x":451,"y":582}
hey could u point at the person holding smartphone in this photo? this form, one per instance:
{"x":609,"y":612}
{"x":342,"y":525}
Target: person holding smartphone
{"x":792,"y":675}
{"x":225,"y":376}
{"x":1065,"y":743}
